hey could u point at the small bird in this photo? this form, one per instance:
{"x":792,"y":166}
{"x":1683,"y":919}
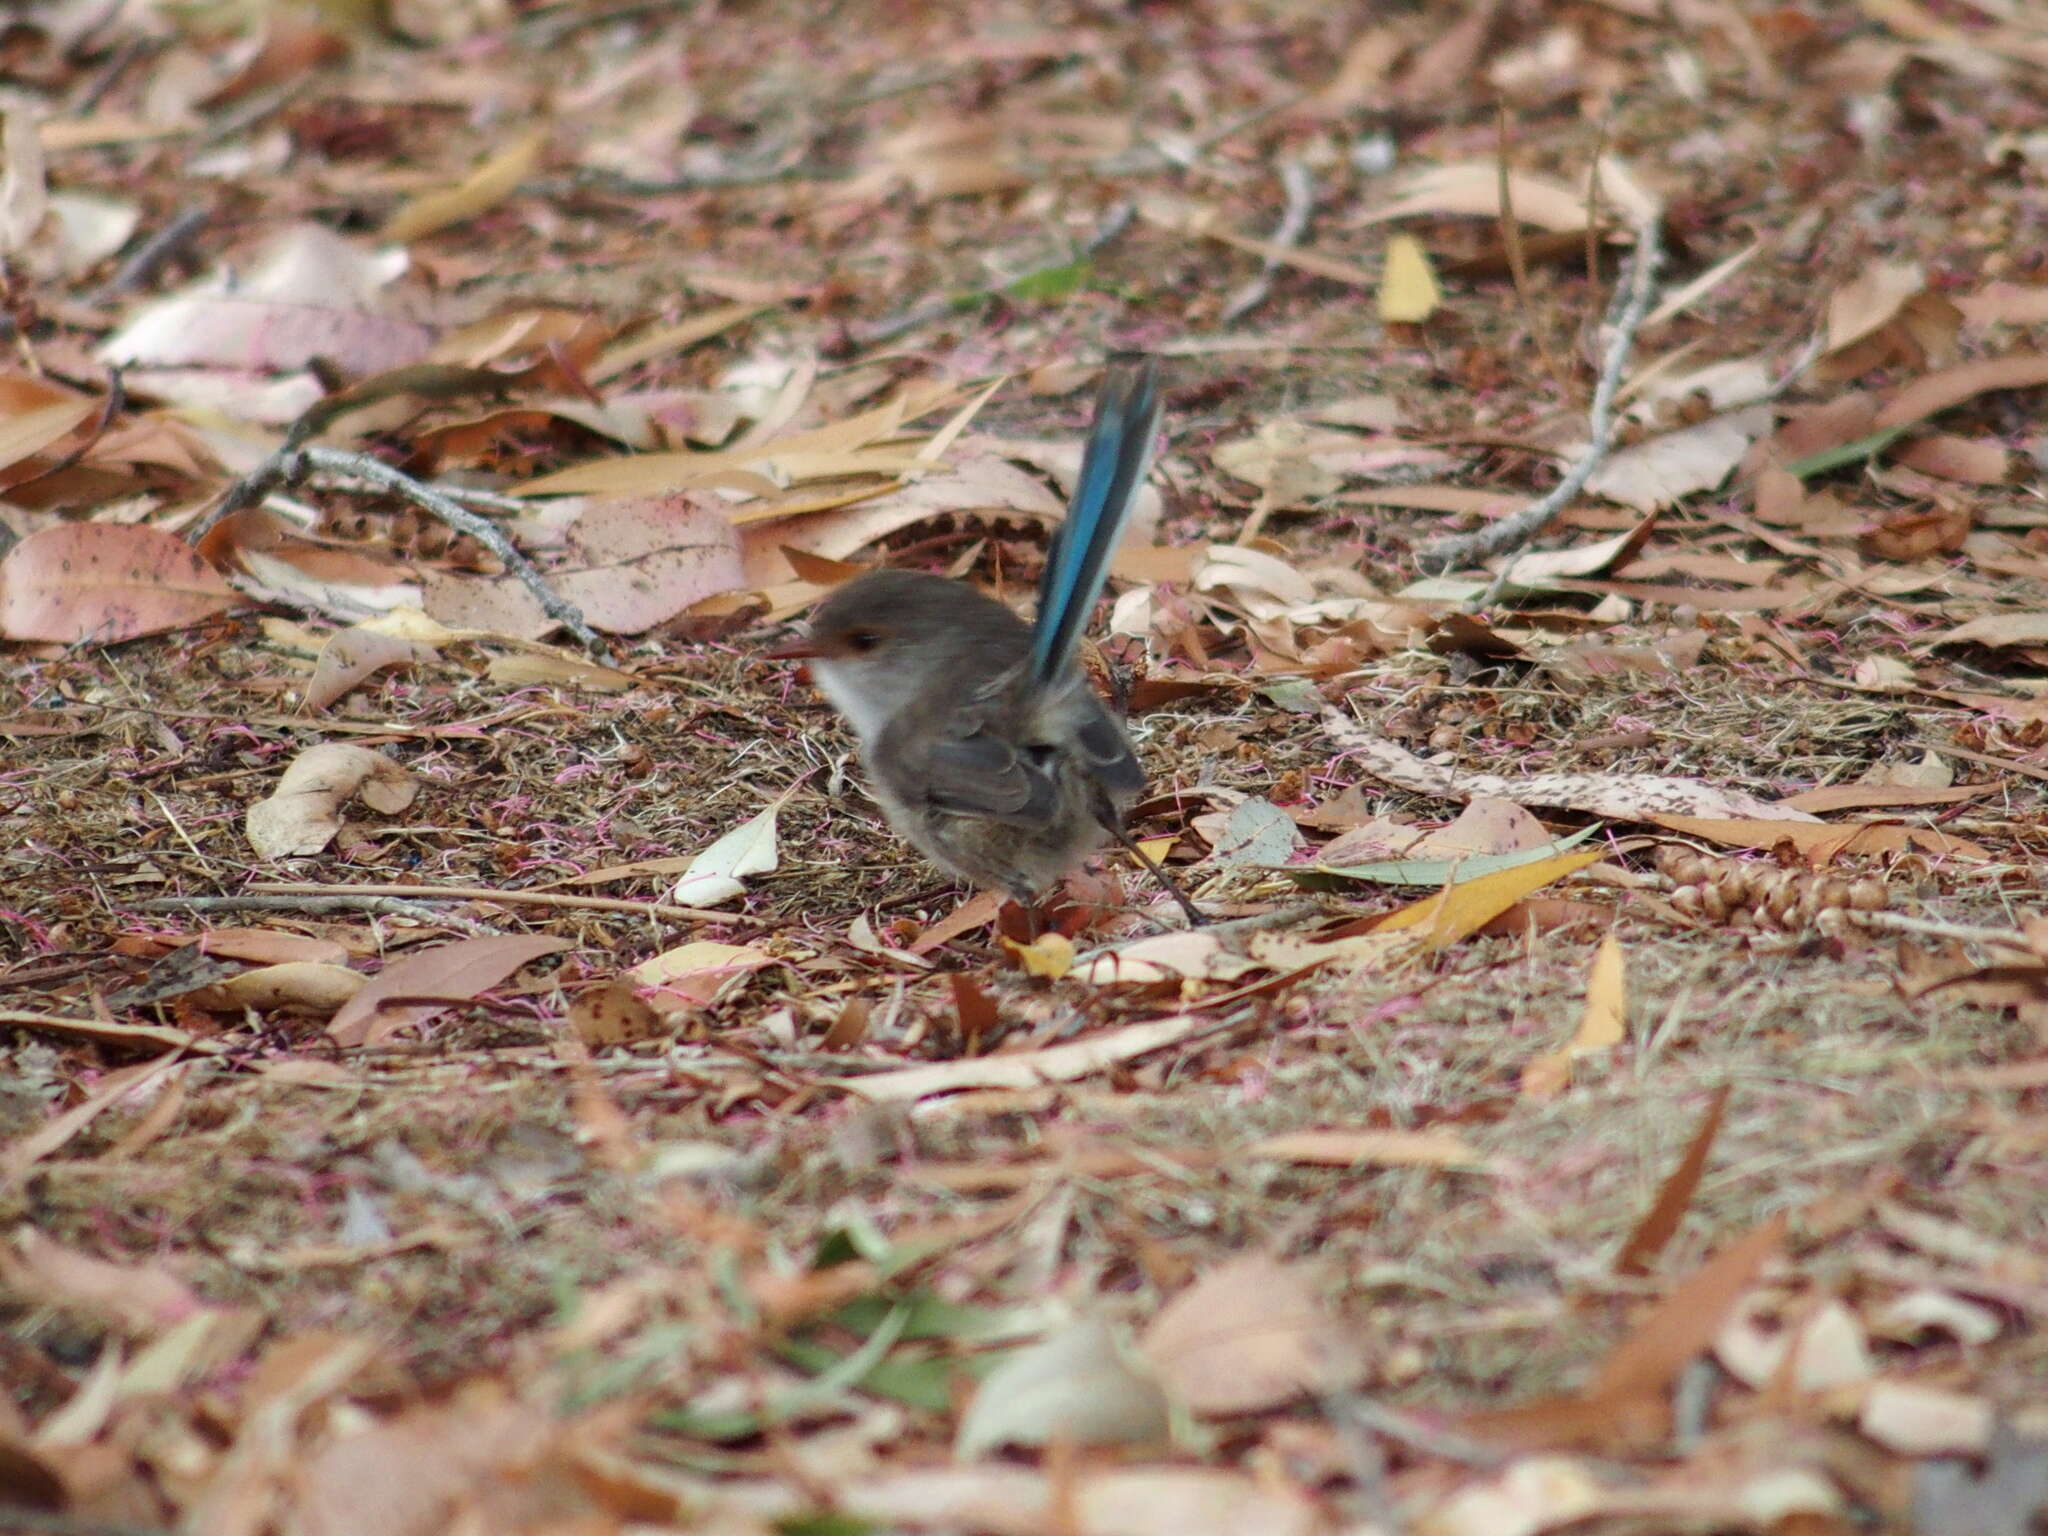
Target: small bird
{"x":981,"y":737}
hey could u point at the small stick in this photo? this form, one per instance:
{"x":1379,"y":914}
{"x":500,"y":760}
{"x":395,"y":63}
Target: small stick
{"x":293,"y":460}
{"x":1631,"y":304}
{"x":516,"y":898}
{"x":1300,"y":192}
{"x":1158,"y":872}
{"x":333,"y":901}
{"x":154,"y":252}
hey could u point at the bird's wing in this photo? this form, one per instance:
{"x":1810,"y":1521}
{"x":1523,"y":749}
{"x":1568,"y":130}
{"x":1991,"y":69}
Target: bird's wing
{"x":955,"y":756}
{"x":984,"y":775}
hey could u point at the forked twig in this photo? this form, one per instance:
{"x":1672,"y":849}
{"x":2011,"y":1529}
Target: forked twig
{"x":293,"y":461}
{"x":1624,"y":318}
{"x":1299,"y":190}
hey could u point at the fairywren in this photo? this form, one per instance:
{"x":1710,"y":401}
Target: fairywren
{"x":981,"y":737}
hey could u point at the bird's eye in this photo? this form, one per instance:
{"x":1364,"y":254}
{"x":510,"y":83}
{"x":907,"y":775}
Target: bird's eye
{"x":861,"y":641}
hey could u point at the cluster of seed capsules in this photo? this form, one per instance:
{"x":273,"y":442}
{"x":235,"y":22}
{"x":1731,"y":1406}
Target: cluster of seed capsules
{"x":1743,"y":893}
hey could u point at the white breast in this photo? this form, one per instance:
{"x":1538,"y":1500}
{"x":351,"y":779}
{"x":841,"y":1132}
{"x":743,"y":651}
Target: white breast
{"x":863,"y":706}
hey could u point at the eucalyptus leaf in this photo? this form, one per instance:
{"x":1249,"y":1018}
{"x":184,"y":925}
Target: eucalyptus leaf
{"x":1436,"y":873}
{"x":1296,"y":695}
{"x":1847,"y":453}
{"x":821,"y":1392}
{"x":931,"y":1317}
{"x":925,"y":1384}
{"x":1053,"y":282}
{"x":1081,"y":1384}
{"x":1257,"y":832}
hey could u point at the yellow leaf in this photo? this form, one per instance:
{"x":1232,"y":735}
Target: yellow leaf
{"x":1601,"y":1027}
{"x":1606,"y":1001}
{"x":662,"y":340}
{"x":1460,"y":910}
{"x":1050,"y":955}
{"x":1408,"y":290}
{"x":483,"y":189}
{"x":1547,"y":1076}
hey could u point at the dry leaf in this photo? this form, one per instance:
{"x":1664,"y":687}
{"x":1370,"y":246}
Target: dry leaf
{"x":352,"y":656}
{"x":700,"y":969}
{"x":1661,"y":1221}
{"x":138,"y":1299}
{"x":485,"y":187}
{"x":448,"y":975}
{"x":1935,"y":393}
{"x":103,"y":582}
{"x":1408,"y":288}
{"x":1915,"y":1420}
{"x":1081,"y":1385}
{"x":1602,"y":1026}
{"x":299,"y":986}
{"x":1971,"y":460}
{"x":303,"y":812}
{"x":1661,"y":471}
{"x":1028,"y":1069}
{"x":715,"y":874}
{"x":1246,"y":1337}
{"x":1471,"y":188}
{"x":1633,"y":796}
{"x":1858,"y":308}
{"x":1374,"y":1149}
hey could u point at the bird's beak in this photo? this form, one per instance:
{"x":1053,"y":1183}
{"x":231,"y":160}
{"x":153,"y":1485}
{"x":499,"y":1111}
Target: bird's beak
{"x":796,"y":648}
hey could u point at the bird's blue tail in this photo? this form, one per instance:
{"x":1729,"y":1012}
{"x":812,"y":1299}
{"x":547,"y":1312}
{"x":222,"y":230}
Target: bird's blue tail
{"x":1112,"y":468}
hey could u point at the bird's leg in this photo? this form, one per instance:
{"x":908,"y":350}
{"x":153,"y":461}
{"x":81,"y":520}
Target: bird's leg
{"x":1020,"y":920}
{"x":1158,"y":872}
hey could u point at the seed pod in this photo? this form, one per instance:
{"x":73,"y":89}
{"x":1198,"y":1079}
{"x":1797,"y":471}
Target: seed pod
{"x":1739,"y":881}
{"x":1734,"y":885}
{"x":1783,"y":900}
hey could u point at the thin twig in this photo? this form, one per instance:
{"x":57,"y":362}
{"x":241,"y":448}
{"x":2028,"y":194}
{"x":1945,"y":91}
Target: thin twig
{"x":741,"y":174}
{"x":551,"y":28}
{"x":252,"y":111}
{"x":519,"y":898}
{"x":110,"y":76}
{"x":1625,"y":316}
{"x":110,"y":407}
{"x":1156,"y":157}
{"x":1934,"y":928}
{"x":497,"y":501}
{"x":1158,"y":872}
{"x":333,"y":901}
{"x":291,"y":462}
{"x":1300,"y":192}
{"x":1412,"y":1430}
{"x":158,"y":249}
